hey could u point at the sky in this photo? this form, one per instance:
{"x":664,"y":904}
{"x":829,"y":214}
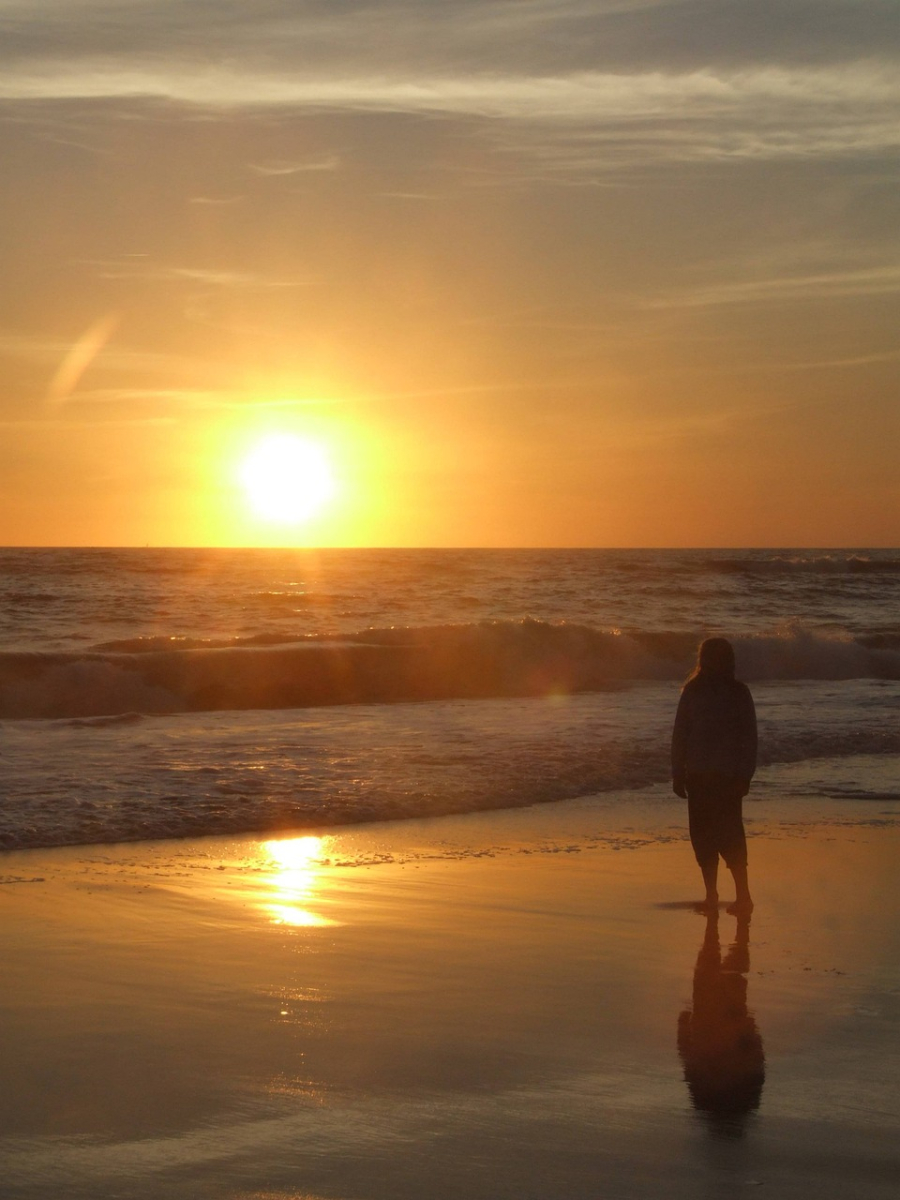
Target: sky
{"x":525,"y":272}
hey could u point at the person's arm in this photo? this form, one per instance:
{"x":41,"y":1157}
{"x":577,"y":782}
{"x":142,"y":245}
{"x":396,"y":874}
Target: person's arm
{"x":748,"y":740}
{"x":679,"y":746}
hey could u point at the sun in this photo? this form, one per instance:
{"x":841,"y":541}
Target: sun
{"x":287,"y":478}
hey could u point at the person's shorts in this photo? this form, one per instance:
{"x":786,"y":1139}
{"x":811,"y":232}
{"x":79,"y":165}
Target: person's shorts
{"x":715,"y":819}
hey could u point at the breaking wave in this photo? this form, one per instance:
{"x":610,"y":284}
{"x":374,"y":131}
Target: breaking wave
{"x":465,"y":661}
{"x":787,"y":564}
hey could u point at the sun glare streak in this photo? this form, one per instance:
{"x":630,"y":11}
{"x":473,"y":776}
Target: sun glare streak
{"x":287,"y":478}
{"x":298,"y":869}
{"x":296,"y":854}
{"x":79,"y":358}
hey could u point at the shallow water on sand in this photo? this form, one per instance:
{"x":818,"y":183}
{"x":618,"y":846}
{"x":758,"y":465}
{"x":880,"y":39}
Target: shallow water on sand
{"x":70,"y":783}
{"x":495,"y":1011}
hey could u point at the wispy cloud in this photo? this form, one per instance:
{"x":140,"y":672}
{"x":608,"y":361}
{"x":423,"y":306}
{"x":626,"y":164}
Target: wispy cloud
{"x":330,"y":163}
{"x":411,"y":195}
{"x":581,"y":96}
{"x":494,"y":388}
{"x":848,"y":362}
{"x":135,"y":267}
{"x":822,"y":285}
{"x":588,"y":118}
{"x":712,"y":421}
{"x":191,"y":398}
{"x":178,"y":397}
{"x":216,"y":200}
{"x":397,"y":35}
{"x":67,"y":420}
{"x":76,"y":144}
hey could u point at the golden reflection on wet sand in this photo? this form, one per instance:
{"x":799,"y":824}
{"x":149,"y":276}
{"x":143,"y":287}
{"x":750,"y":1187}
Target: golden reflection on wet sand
{"x":496,"y":1026}
{"x":294,"y":884}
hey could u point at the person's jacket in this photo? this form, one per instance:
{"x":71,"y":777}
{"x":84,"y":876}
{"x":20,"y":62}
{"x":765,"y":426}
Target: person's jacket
{"x":715,"y":730}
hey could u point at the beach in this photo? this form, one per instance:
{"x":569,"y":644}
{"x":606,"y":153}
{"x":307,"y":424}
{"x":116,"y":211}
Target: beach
{"x":260,"y":942}
{"x":483,"y":1005}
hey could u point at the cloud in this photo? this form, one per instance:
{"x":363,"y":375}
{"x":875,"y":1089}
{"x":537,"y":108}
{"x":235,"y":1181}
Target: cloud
{"x":330,"y":163}
{"x":79,"y":423}
{"x":216,"y":200}
{"x":822,"y":285}
{"x":402,"y":36}
{"x":189,"y":398}
{"x":180,"y":397}
{"x":578,"y":85}
{"x":573,"y":121}
{"x":133,"y":268}
{"x":850,"y":363}
{"x":87,"y":147}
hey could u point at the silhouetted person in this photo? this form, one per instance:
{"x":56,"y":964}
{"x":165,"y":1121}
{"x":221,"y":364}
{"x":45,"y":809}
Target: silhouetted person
{"x":713,"y":761}
{"x":718,"y":1041}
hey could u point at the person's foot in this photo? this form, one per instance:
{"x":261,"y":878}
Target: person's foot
{"x":709,"y":905}
{"x":742,"y":907}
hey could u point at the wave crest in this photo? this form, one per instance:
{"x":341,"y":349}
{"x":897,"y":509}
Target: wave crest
{"x":401,"y":664}
{"x":788,"y":564}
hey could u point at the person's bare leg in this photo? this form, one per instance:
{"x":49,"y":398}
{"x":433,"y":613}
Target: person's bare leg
{"x":710,"y":878}
{"x":743,"y":902}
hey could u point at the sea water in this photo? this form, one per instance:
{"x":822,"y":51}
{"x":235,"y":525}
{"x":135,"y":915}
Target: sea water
{"x":162,"y":693}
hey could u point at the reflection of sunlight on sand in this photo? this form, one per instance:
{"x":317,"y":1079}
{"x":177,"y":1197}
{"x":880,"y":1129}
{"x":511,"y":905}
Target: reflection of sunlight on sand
{"x":296,"y":880}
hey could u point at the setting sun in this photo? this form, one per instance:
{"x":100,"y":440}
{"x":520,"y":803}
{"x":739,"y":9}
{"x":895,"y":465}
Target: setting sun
{"x":287,"y":478}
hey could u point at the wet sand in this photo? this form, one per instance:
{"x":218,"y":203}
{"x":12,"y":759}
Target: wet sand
{"x":504,"y":1005}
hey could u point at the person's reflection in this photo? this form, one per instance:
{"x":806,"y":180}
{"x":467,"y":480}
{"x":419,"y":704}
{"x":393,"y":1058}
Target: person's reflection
{"x":718,"y":1041}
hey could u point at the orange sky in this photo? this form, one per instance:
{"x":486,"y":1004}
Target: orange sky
{"x":551,"y":274}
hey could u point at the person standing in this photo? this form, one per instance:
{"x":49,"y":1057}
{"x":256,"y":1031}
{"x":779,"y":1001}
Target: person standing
{"x":713,"y":760}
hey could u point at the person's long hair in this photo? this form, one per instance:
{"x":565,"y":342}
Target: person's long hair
{"x":715,"y":662}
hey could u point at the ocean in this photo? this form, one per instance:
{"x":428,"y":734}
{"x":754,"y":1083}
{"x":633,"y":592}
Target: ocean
{"x":150,"y":693}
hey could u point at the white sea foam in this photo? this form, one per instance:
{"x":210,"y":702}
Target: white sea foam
{"x":489,"y":659}
{"x":74,"y":781}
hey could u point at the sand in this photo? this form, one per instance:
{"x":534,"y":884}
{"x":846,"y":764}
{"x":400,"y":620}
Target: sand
{"x":482,"y":1007}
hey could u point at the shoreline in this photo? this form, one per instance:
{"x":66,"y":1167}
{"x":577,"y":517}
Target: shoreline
{"x":789,"y":796}
{"x":485,"y":1005}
